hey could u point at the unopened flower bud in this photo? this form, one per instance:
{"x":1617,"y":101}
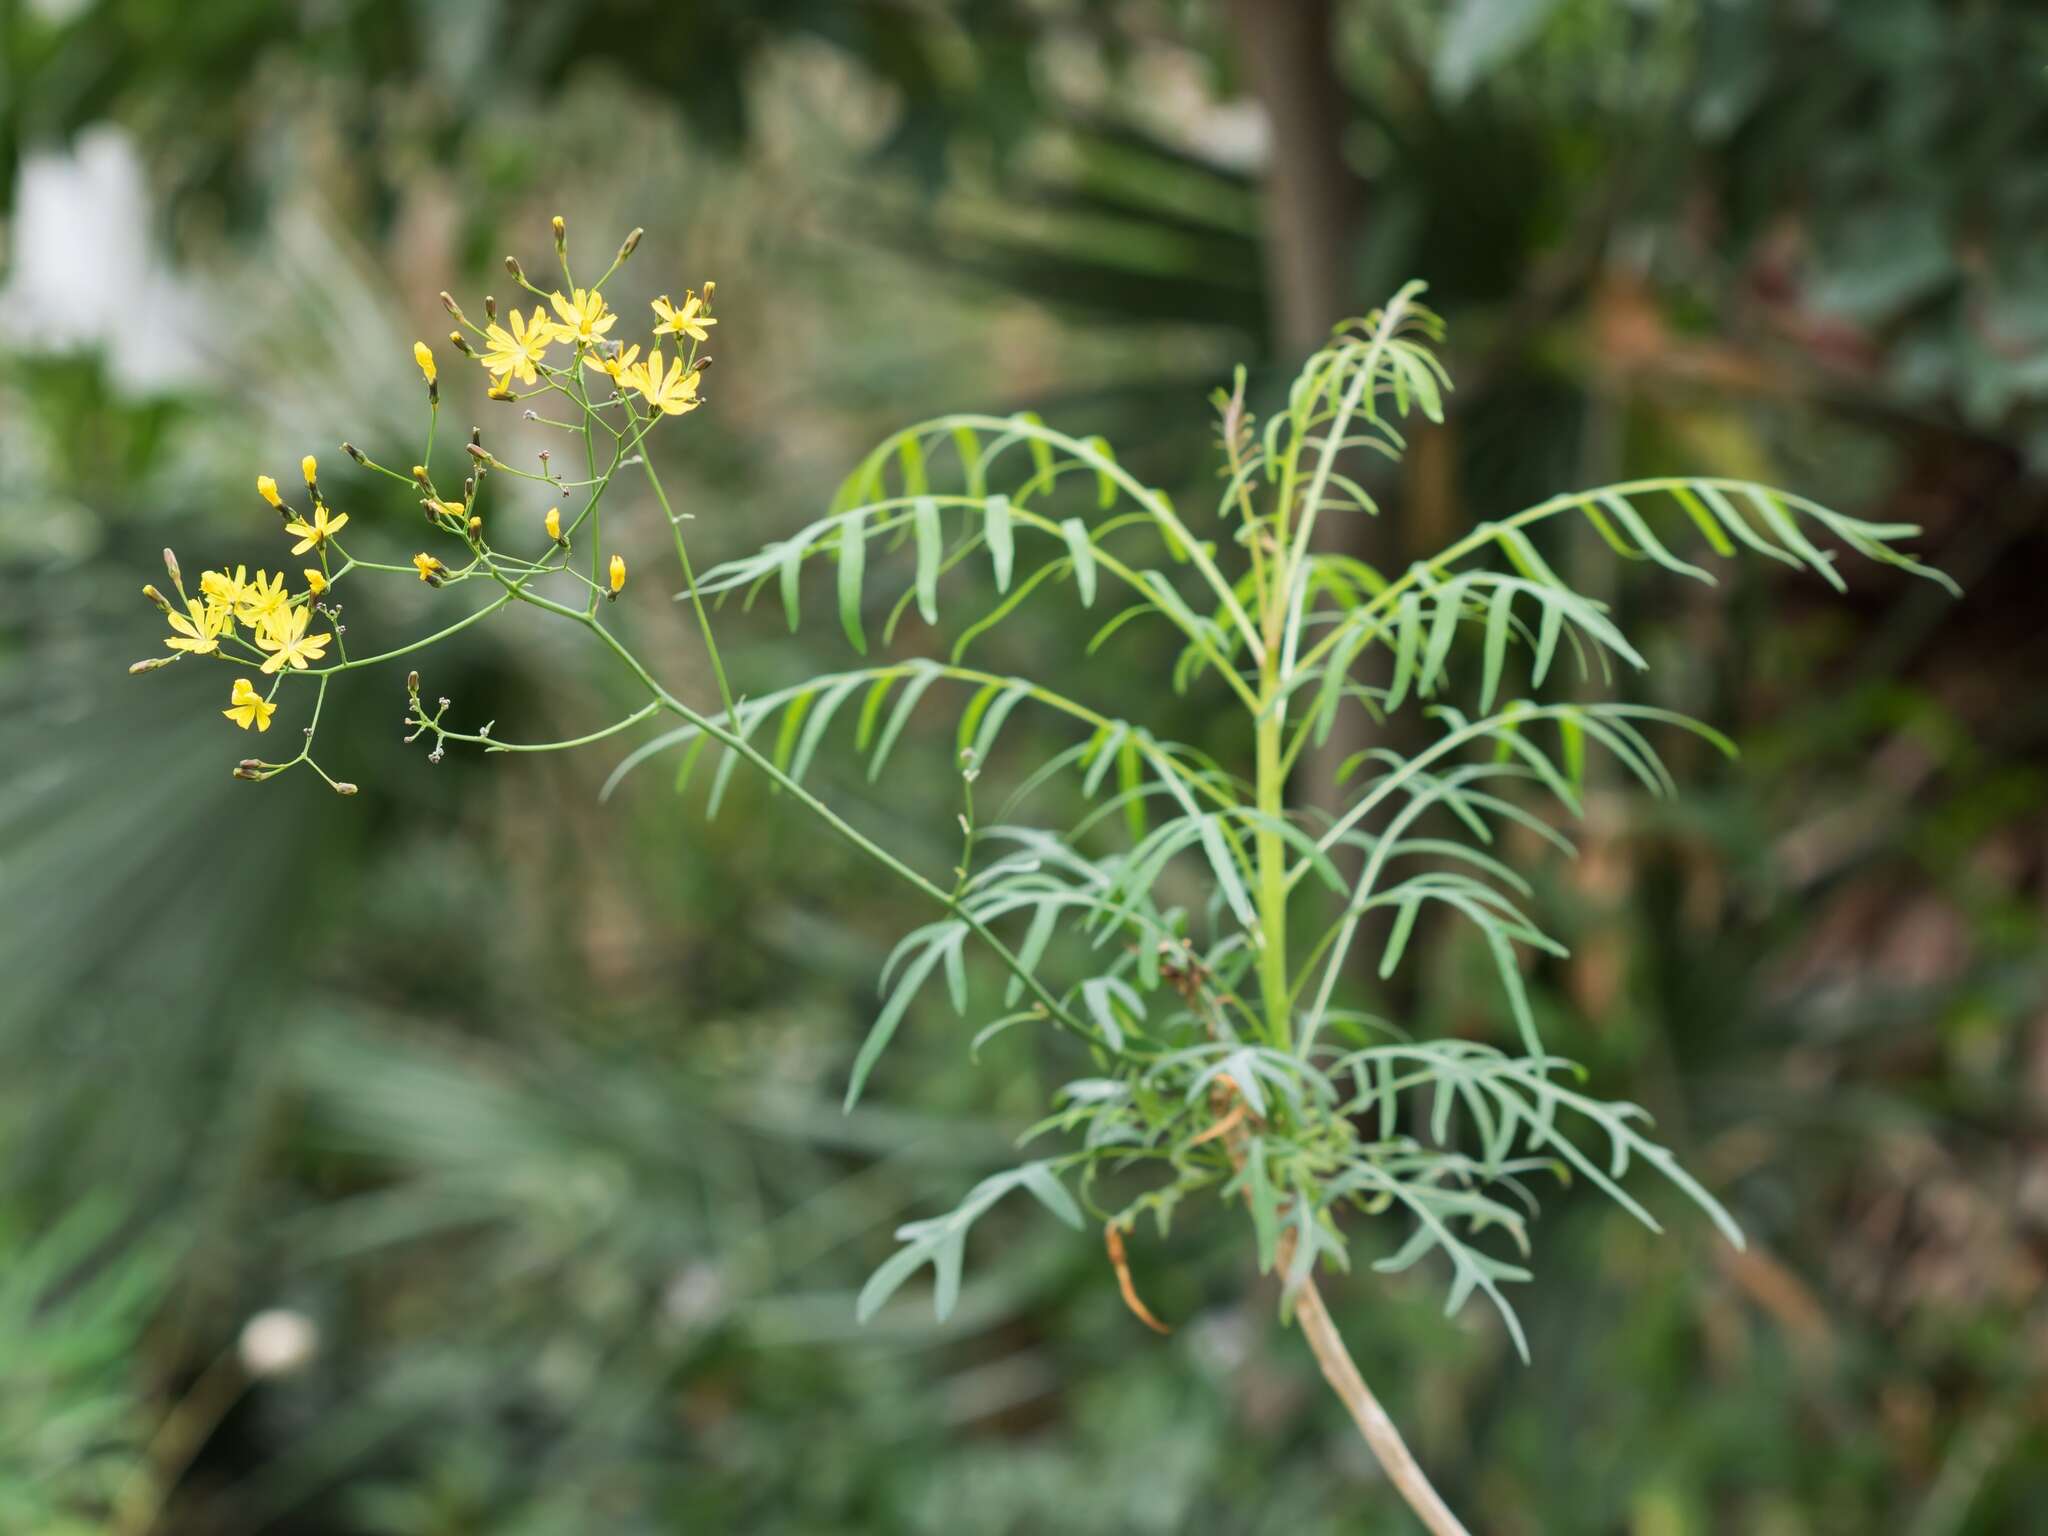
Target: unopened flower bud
{"x":631,"y":244}
{"x":553,"y":523}
{"x":455,"y":340}
{"x":490,"y":306}
{"x":344,"y":788}
{"x":618,"y":573}
{"x":267,"y":489}
{"x":171,"y":565}
{"x":512,"y":266}
{"x":354,"y":452}
{"x":419,"y":473}
{"x":310,"y":468}
{"x":476,"y":527}
{"x":249,"y":768}
{"x":561,"y":233}
{"x":150,"y":664}
{"x":448,"y":303}
{"x":710,"y":287}
{"x":480,"y":453}
{"x":412,"y":682}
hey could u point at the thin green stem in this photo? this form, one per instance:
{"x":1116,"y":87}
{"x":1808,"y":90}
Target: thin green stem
{"x":845,"y":829}
{"x":1271,"y":856}
{"x":690,"y":582}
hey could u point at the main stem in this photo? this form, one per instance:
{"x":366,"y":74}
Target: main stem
{"x":1341,"y":1372}
{"x":1272,"y":872}
{"x":1324,"y":1341}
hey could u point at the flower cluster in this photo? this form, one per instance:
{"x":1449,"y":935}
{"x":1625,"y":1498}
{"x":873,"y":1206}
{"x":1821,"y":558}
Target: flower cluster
{"x":276,"y":622}
{"x":614,"y":397}
{"x":515,"y":349}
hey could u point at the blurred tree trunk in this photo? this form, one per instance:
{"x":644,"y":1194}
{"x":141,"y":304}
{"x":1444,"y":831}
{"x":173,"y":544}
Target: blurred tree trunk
{"x":1313,"y":208}
{"x":1311,"y":197}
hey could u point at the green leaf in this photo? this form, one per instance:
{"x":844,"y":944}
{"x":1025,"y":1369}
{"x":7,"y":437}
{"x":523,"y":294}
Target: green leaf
{"x":963,"y":738}
{"x":792,"y":564}
{"x":1043,"y":921}
{"x":1497,"y":615}
{"x":792,"y":720}
{"x":1105,"y":483}
{"x":886,"y":1022}
{"x":992,"y":720}
{"x":930,"y":548}
{"x":1100,"y":995}
{"x":871,"y":708}
{"x":919,"y":681}
{"x":1002,"y":547}
{"x":910,"y":458}
{"x":1083,"y":553}
{"x":853,"y":554}
{"x":1129,"y":775}
{"x":1042,"y":1184}
{"x":1217,"y":847}
{"x":968,"y":446}
{"x":1265,"y":1205}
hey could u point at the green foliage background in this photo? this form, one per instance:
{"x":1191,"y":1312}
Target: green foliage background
{"x":530,"y":1102}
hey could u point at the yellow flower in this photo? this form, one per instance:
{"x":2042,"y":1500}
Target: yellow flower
{"x":247,"y":707}
{"x":618,"y":366}
{"x":227,"y":593}
{"x":267,"y":489}
{"x":261,"y":599}
{"x":199,"y":626}
{"x":284,"y":635}
{"x":425,"y":359}
{"x":688,"y":321}
{"x":310,"y":470}
{"x":312,"y":535}
{"x":315,"y":582}
{"x":513,"y":353}
{"x":618,"y":573}
{"x":584,"y":317}
{"x":429,"y":568}
{"x":553,"y":523}
{"x":673,"y":394}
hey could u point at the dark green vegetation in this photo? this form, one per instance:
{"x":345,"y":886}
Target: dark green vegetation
{"x":531,"y":1102}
